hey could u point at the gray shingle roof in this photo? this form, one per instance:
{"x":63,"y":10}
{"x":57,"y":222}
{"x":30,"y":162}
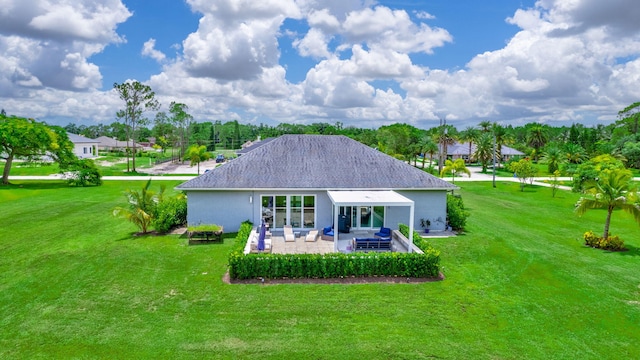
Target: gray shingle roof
{"x":315,"y":162}
{"x":78,"y":139}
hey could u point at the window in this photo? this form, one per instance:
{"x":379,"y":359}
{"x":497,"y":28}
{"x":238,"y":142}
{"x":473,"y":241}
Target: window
{"x":299,"y":211}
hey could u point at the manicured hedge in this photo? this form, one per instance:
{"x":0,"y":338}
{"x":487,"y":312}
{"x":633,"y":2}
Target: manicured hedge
{"x":333,"y":265}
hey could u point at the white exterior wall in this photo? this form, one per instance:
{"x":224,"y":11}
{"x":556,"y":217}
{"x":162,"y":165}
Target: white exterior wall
{"x":85,"y":150}
{"x":230,"y":208}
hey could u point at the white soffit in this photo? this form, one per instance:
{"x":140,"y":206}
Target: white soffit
{"x":386,"y":197}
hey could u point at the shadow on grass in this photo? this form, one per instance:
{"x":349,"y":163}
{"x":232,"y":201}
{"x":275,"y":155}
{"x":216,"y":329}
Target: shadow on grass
{"x":33,"y":185}
{"x":631,"y":251}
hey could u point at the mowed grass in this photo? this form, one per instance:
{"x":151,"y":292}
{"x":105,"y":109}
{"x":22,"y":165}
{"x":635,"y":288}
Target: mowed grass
{"x":519,"y":284}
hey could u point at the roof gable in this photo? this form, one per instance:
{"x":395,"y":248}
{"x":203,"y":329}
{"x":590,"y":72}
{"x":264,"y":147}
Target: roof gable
{"x":315,"y":162}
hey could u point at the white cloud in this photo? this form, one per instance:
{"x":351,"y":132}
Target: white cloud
{"x":47,"y":43}
{"x":148,"y":49}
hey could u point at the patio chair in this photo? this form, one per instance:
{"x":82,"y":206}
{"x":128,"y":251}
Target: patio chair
{"x":312,"y":236}
{"x":288,"y":233}
{"x":383,"y":233}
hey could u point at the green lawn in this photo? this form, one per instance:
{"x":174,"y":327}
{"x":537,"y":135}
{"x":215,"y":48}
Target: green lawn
{"x":76,"y":284}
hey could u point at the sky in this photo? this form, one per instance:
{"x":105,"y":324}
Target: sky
{"x":363,"y":63}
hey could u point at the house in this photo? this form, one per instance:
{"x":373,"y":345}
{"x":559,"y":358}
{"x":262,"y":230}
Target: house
{"x":108,"y":144}
{"x":313,"y":181}
{"x":83,"y":147}
{"x":461,"y":151}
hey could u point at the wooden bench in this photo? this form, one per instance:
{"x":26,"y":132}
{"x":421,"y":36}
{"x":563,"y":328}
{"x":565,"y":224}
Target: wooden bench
{"x":204,"y":237}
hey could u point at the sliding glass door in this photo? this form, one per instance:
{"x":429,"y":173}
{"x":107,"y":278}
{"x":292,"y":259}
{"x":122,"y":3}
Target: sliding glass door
{"x":364,"y":217}
{"x":299,"y":211}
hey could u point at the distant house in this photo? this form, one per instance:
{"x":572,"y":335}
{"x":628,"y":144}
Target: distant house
{"x":461,"y":151}
{"x":252,"y":145}
{"x":308,"y":181}
{"x":108,"y":144}
{"x":83,"y":147}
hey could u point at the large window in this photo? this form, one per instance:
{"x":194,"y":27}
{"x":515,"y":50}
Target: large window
{"x":299,"y":211}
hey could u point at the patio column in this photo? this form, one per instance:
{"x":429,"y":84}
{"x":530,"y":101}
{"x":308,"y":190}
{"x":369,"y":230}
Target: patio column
{"x":336,"y":209}
{"x":411,"y":219}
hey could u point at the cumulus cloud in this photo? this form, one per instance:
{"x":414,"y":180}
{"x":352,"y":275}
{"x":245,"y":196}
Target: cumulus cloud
{"x":148,"y":49}
{"x":47,"y":43}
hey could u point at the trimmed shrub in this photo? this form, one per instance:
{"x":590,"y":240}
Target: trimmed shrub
{"x":169,"y":213}
{"x":333,"y":265}
{"x":456,"y":214}
{"x":612,"y":243}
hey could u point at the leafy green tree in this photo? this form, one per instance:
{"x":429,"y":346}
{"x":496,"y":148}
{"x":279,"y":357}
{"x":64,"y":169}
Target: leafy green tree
{"x":575,"y":154}
{"x":454,"y":167}
{"x":181,"y":119}
{"x":592,"y":170}
{"x":142,"y":206}
{"x":613,"y":190}
{"x":630,"y":116}
{"x":429,"y":147}
{"x":524,"y":171}
{"x":197,"y":154}
{"x":138,"y":98}
{"x":631,"y":153}
{"x":29,"y":140}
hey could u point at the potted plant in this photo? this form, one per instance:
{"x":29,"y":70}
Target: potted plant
{"x":425,"y":223}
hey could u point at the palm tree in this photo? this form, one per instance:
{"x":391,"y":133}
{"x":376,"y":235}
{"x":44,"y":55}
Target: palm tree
{"x":574,"y":153}
{"x":537,"y":137}
{"x":503,"y":137}
{"x":142,"y":206}
{"x":470,"y":135}
{"x":484,"y":150}
{"x":554,"y":157}
{"x":455,"y":167}
{"x":196,"y":154}
{"x":613,"y":190}
{"x":485,"y":126}
{"x":430,"y":147}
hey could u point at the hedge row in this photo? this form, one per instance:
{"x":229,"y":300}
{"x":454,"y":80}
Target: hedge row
{"x":333,"y":265}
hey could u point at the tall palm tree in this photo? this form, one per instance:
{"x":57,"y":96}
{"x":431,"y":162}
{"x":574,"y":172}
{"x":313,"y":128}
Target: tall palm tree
{"x":485,"y":126}
{"x":484,"y":149}
{"x":429,"y":147}
{"x":142,"y":206}
{"x":454,"y":167}
{"x":612,"y":190}
{"x":554,"y":157}
{"x":503,"y":137}
{"x":537,"y":137}
{"x":470,"y":135}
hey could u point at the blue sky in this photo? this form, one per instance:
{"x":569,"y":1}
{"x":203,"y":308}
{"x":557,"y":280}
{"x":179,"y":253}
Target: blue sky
{"x":361,"y":62}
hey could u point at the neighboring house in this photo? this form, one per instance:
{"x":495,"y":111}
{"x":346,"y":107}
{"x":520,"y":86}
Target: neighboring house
{"x":306,"y":181}
{"x":108,"y":144}
{"x":83,"y":147}
{"x":461,"y":151}
{"x":252,"y":145}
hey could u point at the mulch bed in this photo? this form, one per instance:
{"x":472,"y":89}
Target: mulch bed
{"x":347,"y":280}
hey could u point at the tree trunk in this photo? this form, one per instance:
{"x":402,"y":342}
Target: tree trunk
{"x":7,"y":169}
{"x":607,"y":222}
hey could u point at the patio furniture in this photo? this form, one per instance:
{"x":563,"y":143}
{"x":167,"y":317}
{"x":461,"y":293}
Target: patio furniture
{"x":383,"y":233}
{"x":371,"y":244}
{"x":327,"y":233}
{"x":312,"y":236}
{"x":289,"y":236}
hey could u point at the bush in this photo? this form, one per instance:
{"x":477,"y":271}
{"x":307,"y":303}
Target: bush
{"x":456,"y":214}
{"x":333,"y":265}
{"x":83,"y":172}
{"x":612,"y":243}
{"x":169,"y":213}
